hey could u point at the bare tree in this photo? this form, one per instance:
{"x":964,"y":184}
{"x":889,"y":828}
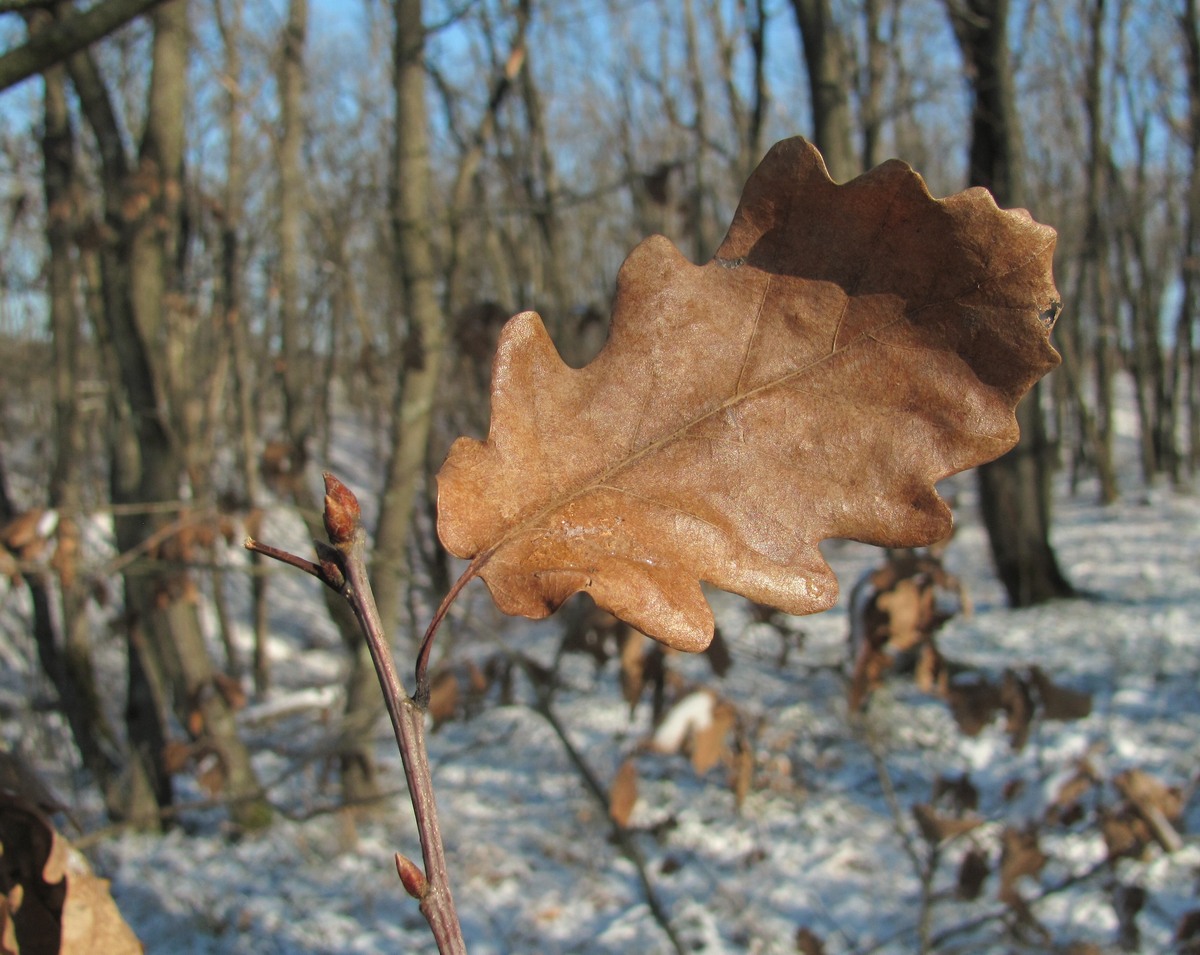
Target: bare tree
{"x":1186,"y":364}
{"x":71,"y":668}
{"x":1014,"y":490}
{"x":169,"y":667}
{"x":71,"y":32}
{"x":827,"y":58}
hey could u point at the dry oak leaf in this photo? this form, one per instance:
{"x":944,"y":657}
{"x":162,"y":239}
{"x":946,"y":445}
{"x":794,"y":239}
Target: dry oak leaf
{"x":846,"y":348}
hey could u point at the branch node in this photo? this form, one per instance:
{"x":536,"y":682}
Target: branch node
{"x":329,"y":560}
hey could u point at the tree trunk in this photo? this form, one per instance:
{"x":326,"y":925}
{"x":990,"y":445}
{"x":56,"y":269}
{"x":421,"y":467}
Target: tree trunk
{"x":245,"y":424}
{"x":71,"y":668}
{"x":168,"y":660}
{"x":1014,"y":491}
{"x":411,"y":188}
{"x":1186,"y":365}
{"x":75,"y":31}
{"x":873,"y":80}
{"x":298,"y":395}
{"x":1093,"y":279}
{"x":830,"y":78}
{"x":412,"y":413}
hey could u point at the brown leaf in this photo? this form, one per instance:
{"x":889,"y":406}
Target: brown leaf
{"x":231,"y":690}
{"x":1128,"y":902}
{"x":633,"y":667}
{"x":1067,"y":806}
{"x":972,"y":872}
{"x":1059,"y":702}
{"x":743,"y":771}
{"x":1125,"y":832}
{"x":937,"y":827}
{"x":849,"y":346}
{"x":931,"y":674}
{"x":1160,"y":806}
{"x":1187,"y":933}
{"x":809,"y":942}
{"x":973,"y":701}
{"x":50,"y":901}
{"x":175,"y":756}
{"x":905,"y":605}
{"x":1020,"y":856}
{"x":211,"y":773}
{"x":23,"y":534}
{"x":959,"y":793}
{"x":444,"y":697}
{"x":622,"y":795}
{"x":1017,"y":703}
{"x":710,"y":744}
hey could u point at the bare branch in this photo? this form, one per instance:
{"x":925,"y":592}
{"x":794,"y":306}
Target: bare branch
{"x":66,"y":37}
{"x":342,"y":566}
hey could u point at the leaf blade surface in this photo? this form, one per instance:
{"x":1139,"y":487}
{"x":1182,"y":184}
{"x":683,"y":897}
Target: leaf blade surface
{"x":846,"y":348}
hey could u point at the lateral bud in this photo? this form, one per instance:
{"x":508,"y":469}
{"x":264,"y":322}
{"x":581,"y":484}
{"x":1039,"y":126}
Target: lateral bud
{"x":411,"y":876}
{"x":342,"y":512}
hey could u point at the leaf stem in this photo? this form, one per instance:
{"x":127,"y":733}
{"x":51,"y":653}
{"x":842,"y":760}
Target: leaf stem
{"x":421,"y":694}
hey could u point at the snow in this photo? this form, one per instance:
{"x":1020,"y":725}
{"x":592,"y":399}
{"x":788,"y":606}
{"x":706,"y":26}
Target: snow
{"x":824,"y":840}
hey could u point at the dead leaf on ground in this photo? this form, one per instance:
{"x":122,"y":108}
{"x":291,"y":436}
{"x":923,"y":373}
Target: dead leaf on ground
{"x":1059,"y":702}
{"x":50,"y":901}
{"x":972,"y":873}
{"x":809,"y":942}
{"x":633,"y":666}
{"x":1187,"y":933}
{"x":846,"y":348}
{"x":973,"y":701}
{"x":710,"y":745}
{"x":1160,"y":806}
{"x":1017,"y":703}
{"x":1128,"y":902}
{"x":622,"y":795}
{"x":443,"y":697}
{"x":958,"y":792}
{"x":1020,"y":855}
{"x":937,"y":827}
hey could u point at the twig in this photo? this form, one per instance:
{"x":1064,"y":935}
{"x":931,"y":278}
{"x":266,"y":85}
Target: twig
{"x":342,"y":566}
{"x":1000,"y":913}
{"x":543,"y":706}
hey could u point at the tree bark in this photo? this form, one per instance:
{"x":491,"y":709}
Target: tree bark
{"x":297,"y":391}
{"x":1092,"y":278}
{"x":412,"y":412}
{"x":873,"y":80}
{"x":411,"y":188}
{"x":1014,"y":490}
{"x":245,"y":423}
{"x":68,"y":36}
{"x":168,"y":660}
{"x":827,"y":60}
{"x":71,"y":668}
{"x":1186,"y":363}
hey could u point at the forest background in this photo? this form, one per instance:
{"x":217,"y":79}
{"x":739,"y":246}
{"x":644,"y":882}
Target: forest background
{"x":228,"y":226}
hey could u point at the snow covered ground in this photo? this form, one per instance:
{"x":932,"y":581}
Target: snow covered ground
{"x":824,"y":846}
